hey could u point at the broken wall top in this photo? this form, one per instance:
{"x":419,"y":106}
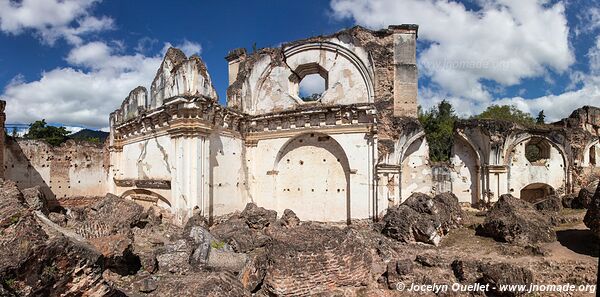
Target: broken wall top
{"x":177,"y":75}
{"x":357,"y":65}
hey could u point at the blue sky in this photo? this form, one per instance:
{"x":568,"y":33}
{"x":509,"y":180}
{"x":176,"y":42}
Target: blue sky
{"x":73,"y":62}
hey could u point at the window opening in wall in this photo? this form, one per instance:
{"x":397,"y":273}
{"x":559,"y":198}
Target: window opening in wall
{"x":593,"y":156}
{"x":312,"y":87}
{"x":308,"y":82}
{"x":537,"y":151}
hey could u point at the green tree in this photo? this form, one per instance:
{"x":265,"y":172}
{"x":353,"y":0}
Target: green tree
{"x":438,"y":124}
{"x":541,"y":118}
{"x":14,"y":133}
{"x":507,"y":113}
{"x":53,"y":135}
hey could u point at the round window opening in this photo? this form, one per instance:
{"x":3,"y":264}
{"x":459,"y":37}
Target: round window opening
{"x":312,"y":87}
{"x":537,"y":151}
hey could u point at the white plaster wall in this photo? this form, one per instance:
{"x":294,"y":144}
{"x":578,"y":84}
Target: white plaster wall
{"x":360,"y":152}
{"x":523,"y":173}
{"x":463,"y":173}
{"x":325,"y":178}
{"x":586,"y":154}
{"x":269,"y":89}
{"x":345,"y":83}
{"x":229,"y":187}
{"x":147,"y":159}
{"x":416,"y":172}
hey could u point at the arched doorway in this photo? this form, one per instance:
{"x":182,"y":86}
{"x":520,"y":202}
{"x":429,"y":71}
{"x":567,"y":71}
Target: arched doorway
{"x":536,"y":192}
{"x":313,"y":178}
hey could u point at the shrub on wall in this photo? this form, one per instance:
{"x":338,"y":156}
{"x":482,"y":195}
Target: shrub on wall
{"x":438,"y":123}
{"x":53,"y":135}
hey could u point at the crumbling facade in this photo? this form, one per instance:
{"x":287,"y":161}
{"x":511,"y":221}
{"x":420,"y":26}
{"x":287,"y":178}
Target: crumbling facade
{"x":350,"y":154}
{"x":175,"y":146}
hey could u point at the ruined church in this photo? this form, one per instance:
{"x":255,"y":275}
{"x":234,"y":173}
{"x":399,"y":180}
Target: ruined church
{"x":345,"y":155}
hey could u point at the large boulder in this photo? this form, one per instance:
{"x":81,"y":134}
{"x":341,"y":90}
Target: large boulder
{"x":289,"y":219}
{"x":245,"y":231}
{"x":37,"y":258}
{"x":498,"y":274}
{"x":583,"y":199}
{"x":592,"y":216}
{"x":174,"y":256}
{"x":202,"y":241}
{"x":404,"y":224}
{"x":258,"y":217}
{"x":448,"y":210}
{"x":201,"y":283}
{"x":567,"y":200}
{"x":422,"y":218}
{"x":517,"y":221}
{"x":255,"y":269}
{"x":109,"y":216}
{"x":492,"y":274}
{"x":36,"y":199}
{"x":549,"y":204}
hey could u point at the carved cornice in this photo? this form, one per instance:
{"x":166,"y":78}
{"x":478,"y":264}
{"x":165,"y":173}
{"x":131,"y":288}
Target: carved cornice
{"x":199,"y":116}
{"x":143,"y":183}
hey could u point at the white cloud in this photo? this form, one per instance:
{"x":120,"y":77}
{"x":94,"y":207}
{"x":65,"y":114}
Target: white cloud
{"x":98,"y":75}
{"x":555,"y":107}
{"x":80,"y":97}
{"x":504,"y":41}
{"x":312,"y":84}
{"x":52,"y":19}
{"x":189,"y":48}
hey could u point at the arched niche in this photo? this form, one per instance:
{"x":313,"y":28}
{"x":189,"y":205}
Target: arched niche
{"x":313,"y":178}
{"x":466,"y":163}
{"x":535,"y":192}
{"x":550,"y":169}
{"x":416,"y":171}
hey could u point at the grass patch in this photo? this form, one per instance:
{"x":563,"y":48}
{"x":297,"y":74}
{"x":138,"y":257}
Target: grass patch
{"x":218,"y":245}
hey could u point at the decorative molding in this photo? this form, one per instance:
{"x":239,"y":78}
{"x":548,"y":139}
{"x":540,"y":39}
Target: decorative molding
{"x":199,"y":117}
{"x":144,"y":183}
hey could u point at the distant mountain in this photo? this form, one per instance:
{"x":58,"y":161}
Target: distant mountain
{"x":87,"y":134}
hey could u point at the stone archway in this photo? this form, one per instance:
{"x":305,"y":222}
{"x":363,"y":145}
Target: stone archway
{"x":536,"y":192}
{"x":313,"y":178}
{"x":146,"y":198}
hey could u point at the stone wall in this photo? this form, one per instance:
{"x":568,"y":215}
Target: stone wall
{"x":74,"y":169}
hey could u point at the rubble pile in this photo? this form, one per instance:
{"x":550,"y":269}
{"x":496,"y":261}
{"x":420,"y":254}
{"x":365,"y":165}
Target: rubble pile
{"x":115,"y":247}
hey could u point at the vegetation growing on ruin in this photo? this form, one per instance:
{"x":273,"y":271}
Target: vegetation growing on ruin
{"x":41,"y":130}
{"x":541,"y":118}
{"x":57,"y":135}
{"x":438,"y":123}
{"x":508,"y":113}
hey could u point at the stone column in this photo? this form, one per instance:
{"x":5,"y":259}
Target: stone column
{"x":405,"y":70}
